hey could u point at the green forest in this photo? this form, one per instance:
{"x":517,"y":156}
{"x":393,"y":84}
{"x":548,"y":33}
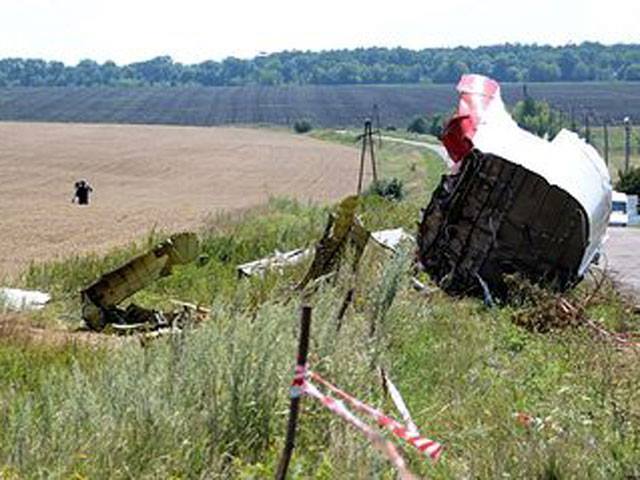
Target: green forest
{"x":507,"y":63}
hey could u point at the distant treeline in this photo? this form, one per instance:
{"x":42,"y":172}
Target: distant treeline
{"x":507,"y":63}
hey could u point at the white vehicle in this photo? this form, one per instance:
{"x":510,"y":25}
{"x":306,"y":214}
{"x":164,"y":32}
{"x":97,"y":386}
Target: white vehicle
{"x":624,"y":210}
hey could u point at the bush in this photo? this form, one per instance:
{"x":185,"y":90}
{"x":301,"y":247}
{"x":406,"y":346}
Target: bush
{"x":389,"y":188}
{"x":538,"y":117}
{"x":418,"y":125}
{"x":423,"y":125}
{"x":390,"y":128}
{"x":302,"y":126}
{"x":437,"y":125}
{"x":629,"y":182}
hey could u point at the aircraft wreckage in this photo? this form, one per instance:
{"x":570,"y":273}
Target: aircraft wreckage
{"x":513,"y":203}
{"x":100,"y":300}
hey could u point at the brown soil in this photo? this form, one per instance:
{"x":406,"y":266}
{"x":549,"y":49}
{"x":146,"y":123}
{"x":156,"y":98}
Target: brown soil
{"x":144,"y":177}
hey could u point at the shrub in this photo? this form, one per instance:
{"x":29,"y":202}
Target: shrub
{"x":437,"y":125}
{"x":418,"y":125}
{"x":302,"y":126}
{"x":538,"y":117}
{"x":389,"y":188}
{"x":629,"y":182}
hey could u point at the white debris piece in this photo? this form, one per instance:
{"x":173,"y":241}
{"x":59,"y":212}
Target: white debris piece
{"x":386,"y":238}
{"x":18,"y":299}
{"x":277,"y":260}
{"x":391,"y":238}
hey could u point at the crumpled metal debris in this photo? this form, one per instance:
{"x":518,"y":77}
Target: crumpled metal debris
{"x":392,"y":238}
{"x":389,"y":239}
{"x":513,"y":203}
{"x":100,"y":299}
{"x":17,"y":299}
{"x":276,"y":261}
{"x":343,"y":229}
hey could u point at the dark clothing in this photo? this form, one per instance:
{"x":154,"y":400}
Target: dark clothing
{"x":82,"y":193}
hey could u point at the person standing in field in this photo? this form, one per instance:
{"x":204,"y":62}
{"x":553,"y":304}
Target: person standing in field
{"x":83,"y":189}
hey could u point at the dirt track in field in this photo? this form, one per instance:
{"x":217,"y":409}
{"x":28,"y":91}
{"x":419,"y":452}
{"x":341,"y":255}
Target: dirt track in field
{"x":144,"y":177}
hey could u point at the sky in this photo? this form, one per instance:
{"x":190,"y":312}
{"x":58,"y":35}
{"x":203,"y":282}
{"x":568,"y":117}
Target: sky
{"x":192,"y":31}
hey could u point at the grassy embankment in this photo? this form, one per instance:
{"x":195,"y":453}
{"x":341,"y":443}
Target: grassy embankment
{"x":212,"y":402}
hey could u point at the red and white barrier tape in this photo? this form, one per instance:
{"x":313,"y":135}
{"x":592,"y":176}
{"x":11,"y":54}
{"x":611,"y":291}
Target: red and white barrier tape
{"x":425,"y":445}
{"x":387,"y":448}
{"x":299,"y":378}
{"x":410,"y":434}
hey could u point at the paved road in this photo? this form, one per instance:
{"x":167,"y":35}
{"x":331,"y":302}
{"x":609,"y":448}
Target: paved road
{"x":623,"y":257}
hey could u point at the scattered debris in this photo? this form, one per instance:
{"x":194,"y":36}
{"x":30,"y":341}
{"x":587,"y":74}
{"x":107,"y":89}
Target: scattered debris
{"x":276,"y":261}
{"x":392,"y":238}
{"x":17,"y":299}
{"x":389,"y":239}
{"x":418,"y":286}
{"x":513,"y":201}
{"x":536,"y":423}
{"x":100,"y":300}
{"x":343,"y":229}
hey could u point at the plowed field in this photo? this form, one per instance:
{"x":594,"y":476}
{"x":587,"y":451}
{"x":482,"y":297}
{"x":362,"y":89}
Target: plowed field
{"x":145,"y":177}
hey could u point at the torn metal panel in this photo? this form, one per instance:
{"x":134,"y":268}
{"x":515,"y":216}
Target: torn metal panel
{"x":343,"y":228}
{"x":18,"y":299}
{"x":514,"y":203}
{"x":276,"y":261}
{"x":108,"y":291}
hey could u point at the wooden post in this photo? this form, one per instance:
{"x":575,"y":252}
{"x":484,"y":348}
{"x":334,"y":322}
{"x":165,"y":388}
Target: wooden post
{"x":294,"y":406}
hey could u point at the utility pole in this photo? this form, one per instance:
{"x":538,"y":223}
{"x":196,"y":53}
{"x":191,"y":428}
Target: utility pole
{"x":627,"y":142}
{"x":574,"y":126}
{"x":367,"y":145}
{"x":376,"y":117}
{"x":587,"y":127}
{"x":605,"y":127}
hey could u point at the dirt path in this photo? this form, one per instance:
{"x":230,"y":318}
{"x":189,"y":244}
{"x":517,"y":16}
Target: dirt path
{"x":623,"y":258}
{"x":146,"y":177}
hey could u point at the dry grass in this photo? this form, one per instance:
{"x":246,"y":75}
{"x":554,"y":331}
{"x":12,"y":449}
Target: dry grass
{"x":147,"y":177}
